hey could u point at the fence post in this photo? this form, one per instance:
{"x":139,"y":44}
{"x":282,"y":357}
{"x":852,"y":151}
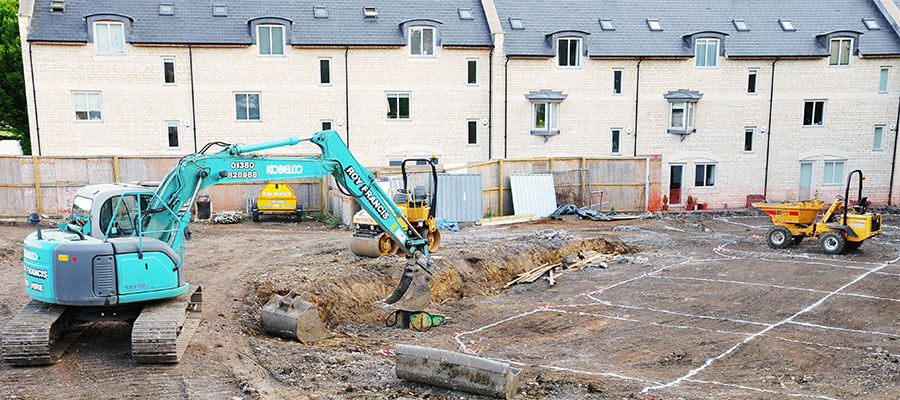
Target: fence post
{"x":116,"y":167}
{"x":500,"y":212}
{"x":37,"y":184}
{"x":583,"y":189}
{"x":322,"y":193}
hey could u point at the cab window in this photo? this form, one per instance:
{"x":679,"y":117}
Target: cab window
{"x":81,"y":208}
{"x":119,"y":222}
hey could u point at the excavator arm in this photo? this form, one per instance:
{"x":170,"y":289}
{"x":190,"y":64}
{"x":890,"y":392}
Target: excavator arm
{"x":235,"y":164}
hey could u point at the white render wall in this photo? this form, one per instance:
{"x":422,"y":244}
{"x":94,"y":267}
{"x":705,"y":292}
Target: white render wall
{"x":587,"y":116}
{"x":137,"y":105}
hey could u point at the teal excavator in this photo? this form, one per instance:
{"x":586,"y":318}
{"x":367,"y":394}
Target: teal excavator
{"x":121,"y":256}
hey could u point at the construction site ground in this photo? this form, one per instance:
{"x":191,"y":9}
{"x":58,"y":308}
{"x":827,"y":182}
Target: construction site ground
{"x":711,"y":313}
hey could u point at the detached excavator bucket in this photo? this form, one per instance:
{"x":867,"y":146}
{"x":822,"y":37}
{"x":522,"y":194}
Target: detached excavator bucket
{"x":292,"y":317}
{"x":413,"y":293}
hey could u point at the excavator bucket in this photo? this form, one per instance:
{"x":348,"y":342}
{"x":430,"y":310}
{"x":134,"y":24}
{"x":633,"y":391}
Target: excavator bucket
{"x":413,"y":293}
{"x":292,"y":317}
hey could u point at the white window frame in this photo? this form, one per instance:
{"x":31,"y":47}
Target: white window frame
{"x":330,"y":74}
{"x":468,"y":62}
{"x":330,"y":122}
{"x":398,"y":95}
{"x":165,"y":60}
{"x":176,"y":124}
{"x":578,"y":50}
{"x":551,"y":116}
{"x":840,"y":177}
{"x":621,"y":82}
{"x":887,"y":81}
{"x":752,"y":131}
{"x":706,"y":42}
{"x":612,"y":141}
{"x":878,"y":143}
{"x":706,"y":166}
{"x":271,"y":27}
{"x":687,"y":119}
{"x":259,"y":105}
{"x":812,"y":119}
{"x":87,"y":103}
{"x":469,"y":123}
{"x":753,"y":71}
{"x":840,"y":41}
{"x":422,"y":41}
{"x":108,"y":27}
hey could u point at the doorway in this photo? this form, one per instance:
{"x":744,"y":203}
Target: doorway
{"x":675,"y":179}
{"x":805,"y":181}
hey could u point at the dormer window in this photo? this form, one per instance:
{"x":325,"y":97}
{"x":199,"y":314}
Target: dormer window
{"x":607,"y":25}
{"x":787,"y":25}
{"x":421,"y":41}
{"x":271,"y":40}
{"x":370,"y":13}
{"x":707,"y":52}
{"x":741,"y":25}
{"x":109,"y":37}
{"x":871,"y":24}
{"x":166,"y":9}
{"x":654,"y":25}
{"x":840,"y":51}
{"x":569,"y":52}
{"x":220,"y":10}
{"x":320,"y":12}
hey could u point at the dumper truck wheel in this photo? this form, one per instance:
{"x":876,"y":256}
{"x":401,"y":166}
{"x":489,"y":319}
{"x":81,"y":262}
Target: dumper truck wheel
{"x":833,"y":242}
{"x":778,"y":237}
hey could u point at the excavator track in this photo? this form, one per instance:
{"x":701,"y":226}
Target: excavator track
{"x":163,"y":330}
{"x":39,"y":334}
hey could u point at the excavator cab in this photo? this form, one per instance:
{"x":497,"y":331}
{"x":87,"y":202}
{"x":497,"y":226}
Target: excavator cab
{"x":417,"y":205}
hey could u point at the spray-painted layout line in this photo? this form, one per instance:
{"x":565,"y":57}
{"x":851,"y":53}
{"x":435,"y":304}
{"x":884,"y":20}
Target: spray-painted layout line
{"x":790,"y":319}
{"x":723,"y":254}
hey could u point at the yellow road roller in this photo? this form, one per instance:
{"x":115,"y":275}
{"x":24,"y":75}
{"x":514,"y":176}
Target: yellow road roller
{"x":418,"y":208}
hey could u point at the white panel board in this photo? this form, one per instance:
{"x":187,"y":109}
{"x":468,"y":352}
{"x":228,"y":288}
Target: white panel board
{"x":533,"y":194}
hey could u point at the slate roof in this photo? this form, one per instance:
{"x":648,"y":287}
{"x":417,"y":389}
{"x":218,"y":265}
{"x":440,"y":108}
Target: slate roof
{"x":633,"y":38}
{"x":194,"y":23}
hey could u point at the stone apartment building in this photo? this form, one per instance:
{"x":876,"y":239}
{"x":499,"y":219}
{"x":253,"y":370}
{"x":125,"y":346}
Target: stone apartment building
{"x":736,"y":98}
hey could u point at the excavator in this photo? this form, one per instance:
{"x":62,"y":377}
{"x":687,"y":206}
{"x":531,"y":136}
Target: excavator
{"x":418,"y":207}
{"x":121,"y":256}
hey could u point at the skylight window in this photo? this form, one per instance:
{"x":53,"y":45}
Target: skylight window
{"x":166,"y":9}
{"x":370,"y":12}
{"x":516,"y":23}
{"x":320,"y":12}
{"x":871,"y":24}
{"x":220,"y":10}
{"x":57,"y":5}
{"x":607,"y":25}
{"x":654,"y":25}
{"x":465,"y":13}
{"x":741,"y":25}
{"x":787,"y":25}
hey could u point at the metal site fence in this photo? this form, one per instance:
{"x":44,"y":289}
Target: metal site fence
{"x":47,"y":185}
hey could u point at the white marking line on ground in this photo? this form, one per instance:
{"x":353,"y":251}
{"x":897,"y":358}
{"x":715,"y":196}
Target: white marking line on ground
{"x":740,"y":223}
{"x":660,"y":324}
{"x":685,"y":278}
{"x":710,"y":361}
{"x":724,"y":253}
{"x":811,"y":396}
{"x":764,"y":257}
{"x":812,"y":325}
{"x":680,"y":314}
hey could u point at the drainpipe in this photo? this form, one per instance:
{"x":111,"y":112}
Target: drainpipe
{"x":37,"y":123}
{"x":505,"y":104}
{"x":893,"y":159}
{"x":637,"y":93}
{"x":347,"y":95}
{"x":769,"y":131}
{"x":193,"y":107}
{"x":490,"y":101}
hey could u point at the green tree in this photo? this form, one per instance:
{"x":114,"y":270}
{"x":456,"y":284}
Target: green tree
{"x":13,"y":103}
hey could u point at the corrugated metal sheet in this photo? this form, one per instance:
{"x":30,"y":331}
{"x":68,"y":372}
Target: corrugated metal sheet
{"x":533,"y":194}
{"x":460,"y":197}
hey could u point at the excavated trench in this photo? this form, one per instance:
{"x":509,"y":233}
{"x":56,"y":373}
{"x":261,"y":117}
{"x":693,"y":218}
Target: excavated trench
{"x":348,"y":297}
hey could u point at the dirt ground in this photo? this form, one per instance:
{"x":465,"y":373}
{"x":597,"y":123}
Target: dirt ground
{"x":712,"y":312}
